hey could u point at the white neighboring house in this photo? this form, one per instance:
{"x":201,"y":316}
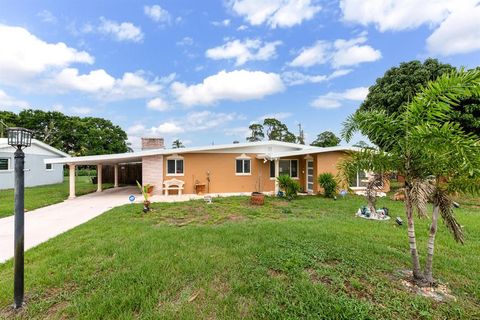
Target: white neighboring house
{"x":36,"y":171}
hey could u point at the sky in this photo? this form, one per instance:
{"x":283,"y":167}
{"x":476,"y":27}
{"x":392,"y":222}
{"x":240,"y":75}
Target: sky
{"x":203,"y":71}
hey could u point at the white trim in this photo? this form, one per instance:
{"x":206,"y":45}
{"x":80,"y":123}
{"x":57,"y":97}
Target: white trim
{"x":9,"y":164}
{"x":175,"y":174}
{"x":243,"y":156}
{"x":243,"y":167}
{"x":175,"y":156}
{"x":4,"y":144}
{"x":289,"y":168}
{"x":306,"y":174}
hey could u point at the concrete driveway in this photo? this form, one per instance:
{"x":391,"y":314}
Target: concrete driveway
{"x":48,"y":222}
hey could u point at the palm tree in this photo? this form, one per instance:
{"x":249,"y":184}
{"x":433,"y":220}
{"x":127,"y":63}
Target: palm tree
{"x":177,"y":144}
{"x":414,"y":140}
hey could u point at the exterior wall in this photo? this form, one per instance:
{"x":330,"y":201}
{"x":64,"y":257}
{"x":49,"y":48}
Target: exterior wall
{"x":152,"y":172}
{"x":35,"y":172}
{"x":221,"y":169}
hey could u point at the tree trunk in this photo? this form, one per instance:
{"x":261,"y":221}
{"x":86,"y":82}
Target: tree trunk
{"x":431,"y":244}
{"x":417,"y":273}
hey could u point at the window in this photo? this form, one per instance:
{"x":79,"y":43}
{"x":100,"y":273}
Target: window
{"x":175,"y":167}
{"x":48,"y":166}
{"x":242,"y":166}
{"x":286,"y":167}
{"x":360,"y":180}
{"x":4,"y":164}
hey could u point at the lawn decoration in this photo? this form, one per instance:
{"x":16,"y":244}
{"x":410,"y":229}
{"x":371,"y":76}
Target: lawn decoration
{"x":144,"y":190}
{"x":379,"y":214}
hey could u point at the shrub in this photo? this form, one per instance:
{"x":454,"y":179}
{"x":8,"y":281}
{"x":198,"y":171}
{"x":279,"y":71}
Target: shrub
{"x":328,"y":183}
{"x":289,"y":186}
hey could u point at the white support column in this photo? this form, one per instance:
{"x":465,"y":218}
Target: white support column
{"x":115,"y":176}
{"x":72,"y":181}
{"x":277,"y":173}
{"x":99,"y":177}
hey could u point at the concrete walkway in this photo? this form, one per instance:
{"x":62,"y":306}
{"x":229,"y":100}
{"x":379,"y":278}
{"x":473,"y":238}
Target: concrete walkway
{"x":48,"y":222}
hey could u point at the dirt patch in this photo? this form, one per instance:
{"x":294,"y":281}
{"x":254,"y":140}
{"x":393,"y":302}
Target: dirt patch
{"x":236,"y":217}
{"x":280,"y":203}
{"x":316,"y":278}
{"x":276,"y":273}
{"x":357,"y":288}
{"x":439,"y":292}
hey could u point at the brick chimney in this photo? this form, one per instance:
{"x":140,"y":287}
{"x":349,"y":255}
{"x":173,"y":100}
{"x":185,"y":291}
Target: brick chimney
{"x":152,"y":143}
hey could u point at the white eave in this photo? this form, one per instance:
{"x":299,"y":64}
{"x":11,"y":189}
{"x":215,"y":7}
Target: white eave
{"x":4,"y":144}
{"x":298,"y":149}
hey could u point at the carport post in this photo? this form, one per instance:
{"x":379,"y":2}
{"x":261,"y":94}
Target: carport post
{"x":277,"y":173}
{"x":115,"y":175}
{"x":72,"y":181}
{"x":99,"y":177}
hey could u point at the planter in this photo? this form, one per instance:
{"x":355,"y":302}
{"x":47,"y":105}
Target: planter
{"x":257,"y":199}
{"x":146,"y":206}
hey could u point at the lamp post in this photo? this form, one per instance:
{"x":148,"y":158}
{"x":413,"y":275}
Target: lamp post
{"x":19,"y":138}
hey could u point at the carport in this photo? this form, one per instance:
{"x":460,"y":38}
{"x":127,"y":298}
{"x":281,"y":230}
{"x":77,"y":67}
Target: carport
{"x":114,"y":160}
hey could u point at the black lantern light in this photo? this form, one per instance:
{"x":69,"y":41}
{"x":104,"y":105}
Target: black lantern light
{"x":19,"y":138}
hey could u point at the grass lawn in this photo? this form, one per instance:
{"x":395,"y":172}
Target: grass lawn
{"x":41,"y":196}
{"x":310,"y":258}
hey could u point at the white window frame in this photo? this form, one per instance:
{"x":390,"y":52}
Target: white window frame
{"x":175,"y":158}
{"x":9,"y":164}
{"x":359,"y":186}
{"x":51,"y":167}
{"x":243,"y":158}
{"x":289,"y":166}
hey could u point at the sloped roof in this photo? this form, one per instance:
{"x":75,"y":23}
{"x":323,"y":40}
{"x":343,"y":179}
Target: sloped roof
{"x":295,"y":149}
{"x":4,"y":144}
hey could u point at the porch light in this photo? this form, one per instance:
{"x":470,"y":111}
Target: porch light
{"x":19,"y":138}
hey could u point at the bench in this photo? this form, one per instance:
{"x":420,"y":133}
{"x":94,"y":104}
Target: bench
{"x":173,"y":184}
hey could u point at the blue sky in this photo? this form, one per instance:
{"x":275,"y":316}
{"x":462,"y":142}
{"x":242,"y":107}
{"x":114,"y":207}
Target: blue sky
{"x":202,"y":71}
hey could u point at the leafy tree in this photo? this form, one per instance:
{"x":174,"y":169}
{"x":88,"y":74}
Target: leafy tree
{"x":276,"y":130}
{"x":399,"y":85}
{"x":7,"y":119}
{"x":362,"y":144}
{"x":301,"y":135}
{"x":256,"y":132}
{"x":418,"y":144}
{"x":177,"y":144}
{"x":326,"y":139}
{"x":74,"y":135}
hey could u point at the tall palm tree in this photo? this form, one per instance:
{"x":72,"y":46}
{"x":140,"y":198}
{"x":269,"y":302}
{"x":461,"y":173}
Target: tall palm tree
{"x":412,"y":141}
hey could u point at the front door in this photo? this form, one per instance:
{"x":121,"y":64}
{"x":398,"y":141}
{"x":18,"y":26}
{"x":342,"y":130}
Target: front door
{"x":309,"y":180}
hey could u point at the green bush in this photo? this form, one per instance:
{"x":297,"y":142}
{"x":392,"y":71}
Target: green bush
{"x":289,"y":186}
{"x":328,"y":183}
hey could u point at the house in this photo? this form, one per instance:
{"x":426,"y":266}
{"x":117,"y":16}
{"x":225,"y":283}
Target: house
{"x":36,"y":171}
{"x":231,"y":168}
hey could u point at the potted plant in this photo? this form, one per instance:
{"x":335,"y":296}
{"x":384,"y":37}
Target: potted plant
{"x":257,"y":199}
{"x":144,"y":190}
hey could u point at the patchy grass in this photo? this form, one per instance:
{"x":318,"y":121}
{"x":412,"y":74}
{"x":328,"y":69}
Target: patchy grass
{"x":309,"y":258}
{"x":41,"y":196}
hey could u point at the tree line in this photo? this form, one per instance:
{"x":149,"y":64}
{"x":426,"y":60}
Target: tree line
{"x":74,"y":135}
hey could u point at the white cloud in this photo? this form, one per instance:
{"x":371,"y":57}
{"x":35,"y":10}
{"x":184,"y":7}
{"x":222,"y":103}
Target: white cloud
{"x":158,"y":104}
{"x":205,"y":120}
{"x":157,"y":13}
{"x":81,"y":110}
{"x":242,"y":27}
{"x":236,"y":85}
{"x":223,"y":23}
{"x":132,"y":85}
{"x":7,"y":101}
{"x":455,"y":22}
{"x":167,"y":128}
{"x":333,"y":100}
{"x":124,"y":31}
{"x":23,"y":55}
{"x":94,"y":81}
{"x":458,"y":33}
{"x":396,"y":15}
{"x":186,"y":41}
{"x":243,"y":51}
{"x":340,"y":53}
{"x":241,"y":132}
{"x":293,"y":78}
{"x":47,"y":16}
{"x":275,"y":13}
{"x":278,"y":116}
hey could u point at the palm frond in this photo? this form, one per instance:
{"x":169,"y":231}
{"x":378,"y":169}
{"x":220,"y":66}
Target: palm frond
{"x":420,"y":194}
{"x":444,"y":202}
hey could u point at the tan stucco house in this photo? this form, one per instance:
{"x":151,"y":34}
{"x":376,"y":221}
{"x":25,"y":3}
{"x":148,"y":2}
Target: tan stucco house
{"x":230,"y":168}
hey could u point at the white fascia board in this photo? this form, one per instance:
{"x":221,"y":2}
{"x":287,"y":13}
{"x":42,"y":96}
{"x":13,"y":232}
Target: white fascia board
{"x":311,"y":150}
